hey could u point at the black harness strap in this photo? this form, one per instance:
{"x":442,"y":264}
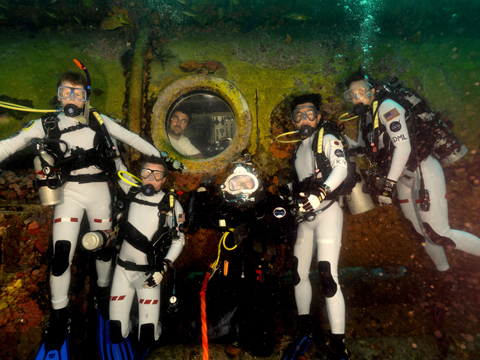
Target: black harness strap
{"x":131,"y":266}
{"x":135,"y":238}
{"x":143,"y":202}
{"x":87,"y":178}
{"x":322,"y":163}
{"x":160,"y":242}
{"x":80,"y":158}
{"x":73,"y":128}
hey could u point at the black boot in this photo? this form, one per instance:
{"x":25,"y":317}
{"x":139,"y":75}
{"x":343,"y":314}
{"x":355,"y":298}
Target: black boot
{"x":57,"y":327}
{"x":303,"y":337}
{"x":447,"y":287}
{"x":442,"y":339}
{"x":234,"y":348}
{"x":337,"y":350}
{"x":102,"y":301}
{"x":304,"y":326}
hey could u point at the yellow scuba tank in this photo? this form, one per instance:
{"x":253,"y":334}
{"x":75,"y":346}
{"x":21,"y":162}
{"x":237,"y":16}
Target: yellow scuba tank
{"x":46,"y":179}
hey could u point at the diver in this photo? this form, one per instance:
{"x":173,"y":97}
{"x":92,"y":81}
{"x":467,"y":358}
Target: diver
{"x":151,"y":237}
{"x":320,"y":222}
{"x":405,"y":173}
{"x":258,"y":231}
{"x":83,"y":151}
{"x":407,"y":164}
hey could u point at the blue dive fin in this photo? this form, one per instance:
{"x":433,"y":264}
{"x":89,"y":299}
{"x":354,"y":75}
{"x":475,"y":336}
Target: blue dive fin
{"x":50,"y":353}
{"x":295,"y":350}
{"x":111,"y":351}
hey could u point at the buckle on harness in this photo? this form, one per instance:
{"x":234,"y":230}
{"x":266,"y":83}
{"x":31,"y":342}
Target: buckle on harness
{"x":51,"y":183}
{"x":308,"y":216}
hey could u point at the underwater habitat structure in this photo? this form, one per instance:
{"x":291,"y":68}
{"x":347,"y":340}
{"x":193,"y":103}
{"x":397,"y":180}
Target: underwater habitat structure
{"x":236,"y":65}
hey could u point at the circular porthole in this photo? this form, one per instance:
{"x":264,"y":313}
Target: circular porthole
{"x":203,"y":121}
{"x":200,"y":125}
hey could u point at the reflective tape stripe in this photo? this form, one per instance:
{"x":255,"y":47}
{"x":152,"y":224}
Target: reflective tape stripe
{"x":148,"y":302}
{"x":418,"y":201}
{"x":102,"y":220}
{"x":117,"y":298}
{"x":57,"y":220}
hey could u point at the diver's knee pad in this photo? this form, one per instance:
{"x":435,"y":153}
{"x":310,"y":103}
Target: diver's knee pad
{"x":115,"y":331}
{"x":60,"y":260}
{"x":439,"y":239}
{"x":147,"y":335}
{"x":329,"y":286}
{"x":295,"y":274}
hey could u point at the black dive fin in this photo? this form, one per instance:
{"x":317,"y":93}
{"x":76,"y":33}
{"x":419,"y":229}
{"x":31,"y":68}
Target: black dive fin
{"x":111,"y":351}
{"x":47,"y":352}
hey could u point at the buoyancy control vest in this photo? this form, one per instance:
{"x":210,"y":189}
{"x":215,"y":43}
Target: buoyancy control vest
{"x":429,"y":134}
{"x":101,"y":155}
{"x":322,"y":163}
{"x":158,"y":246}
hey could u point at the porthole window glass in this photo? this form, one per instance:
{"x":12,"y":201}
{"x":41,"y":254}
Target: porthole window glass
{"x":200,"y":124}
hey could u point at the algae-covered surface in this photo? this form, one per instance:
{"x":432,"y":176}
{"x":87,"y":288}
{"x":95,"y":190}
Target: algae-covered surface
{"x":32,"y":62}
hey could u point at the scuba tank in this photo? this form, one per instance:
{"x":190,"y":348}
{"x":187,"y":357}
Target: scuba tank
{"x":99,"y":239}
{"x":358,"y":201}
{"x":432,"y":134}
{"x":46,"y":178}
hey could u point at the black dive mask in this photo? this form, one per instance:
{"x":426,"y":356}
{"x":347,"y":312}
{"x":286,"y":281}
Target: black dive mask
{"x":72,"y":110}
{"x":306,"y":131}
{"x":148,"y":190}
{"x":360,"y":109}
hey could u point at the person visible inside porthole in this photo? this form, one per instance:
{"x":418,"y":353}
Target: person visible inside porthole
{"x":178,"y":124}
{"x":200,"y":125}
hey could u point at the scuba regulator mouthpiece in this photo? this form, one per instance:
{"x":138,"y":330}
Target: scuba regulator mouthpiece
{"x":148,"y":190}
{"x":72,"y":110}
{"x":306,"y":131}
{"x":360,"y":109}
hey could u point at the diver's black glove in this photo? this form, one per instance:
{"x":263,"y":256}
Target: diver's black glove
{"x":373,"y":182}
{"x":240,"y":233}
{"x":286,"y":194}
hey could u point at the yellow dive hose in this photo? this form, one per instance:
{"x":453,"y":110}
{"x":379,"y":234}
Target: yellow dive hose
{"x":277,"y":138}
{"x":350,"y":118}
{"x":285,"y":134}
{"x":222,"y":241}
{"x":128,"y":181}
{"x":23,"y":108}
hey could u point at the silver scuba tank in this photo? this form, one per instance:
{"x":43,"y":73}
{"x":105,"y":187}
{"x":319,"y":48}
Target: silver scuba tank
{"x":95,"y":240}
{"x":49,"y":195}
{"x":452,"y":155}
{"x":358,"y":202}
